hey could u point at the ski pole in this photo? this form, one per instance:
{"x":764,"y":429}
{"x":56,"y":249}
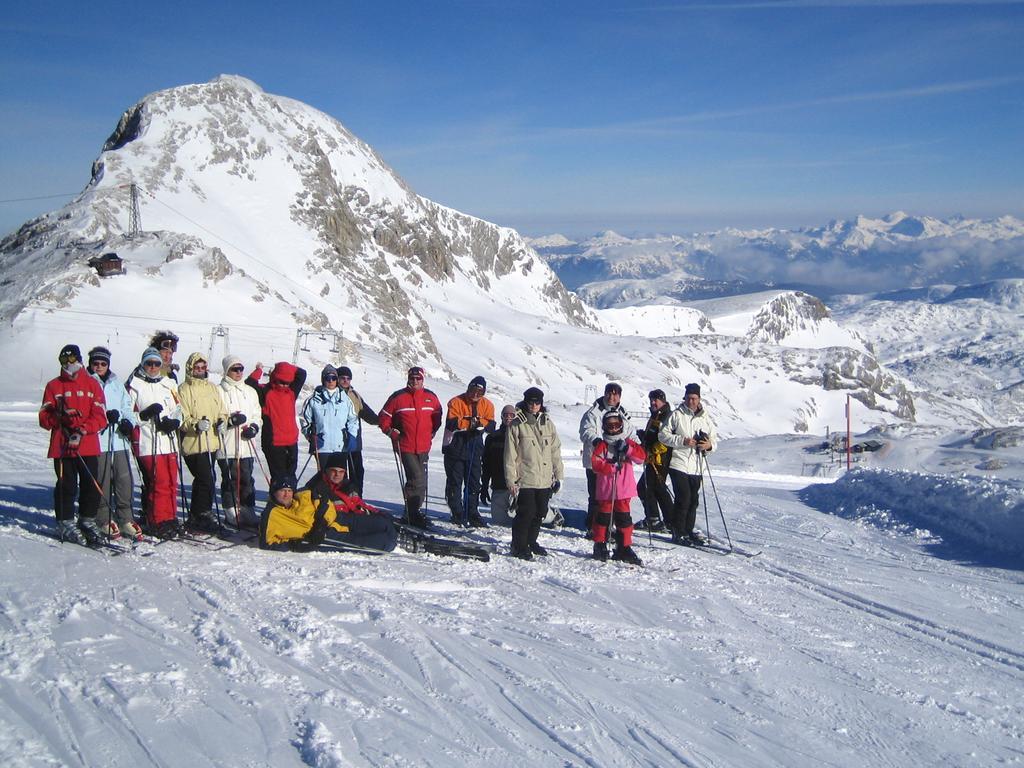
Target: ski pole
{"x":714,"y":490}
{"x":401,"y":476}
{"x":213,"y":480}
{"x":181,"y":475}
{"x":238,"y":469}
{"x":704,"y":495}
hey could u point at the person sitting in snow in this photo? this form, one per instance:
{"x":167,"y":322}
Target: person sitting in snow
{"x":324,"y":512}
{"x":615,"y":486}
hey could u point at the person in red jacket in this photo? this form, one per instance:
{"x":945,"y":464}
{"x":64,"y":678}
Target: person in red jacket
{"x":74,"y":411}
{"x":411,"y":417}
{"x":280,"y":426}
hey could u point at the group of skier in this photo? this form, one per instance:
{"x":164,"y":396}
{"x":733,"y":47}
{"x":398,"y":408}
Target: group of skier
{"x":100,"y":427}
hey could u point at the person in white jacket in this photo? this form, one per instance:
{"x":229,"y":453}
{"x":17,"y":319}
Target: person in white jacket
{"x":155,"y":400}
{"x":690,"y":434}
{"x":238,"y":448}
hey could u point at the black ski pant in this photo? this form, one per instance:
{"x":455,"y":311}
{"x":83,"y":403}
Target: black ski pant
{"x":462,"y":474}
{"x":530,"y":510}
{"x":76,"y":476}
{"x":282,"y":461}
{"x":687,"y":492}
{"x":653,"y":492}
{"x":242,"y":480}
{"x":591,"y":501}
{"x":203,"y":482}
{"x":364,"y":531}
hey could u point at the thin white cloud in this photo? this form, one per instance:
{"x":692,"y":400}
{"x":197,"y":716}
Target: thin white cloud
{"x":937,"y":89}
{"x":784,"y":4}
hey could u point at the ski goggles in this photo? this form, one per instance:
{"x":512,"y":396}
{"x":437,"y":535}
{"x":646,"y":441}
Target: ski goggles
{"x":67,"y":357}
{"x":613,"y":427}
{"x":170,"y":344}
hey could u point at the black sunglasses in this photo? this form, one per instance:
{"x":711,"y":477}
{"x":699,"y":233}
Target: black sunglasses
{"x":330,"y":377}
{"x":236,"y":369}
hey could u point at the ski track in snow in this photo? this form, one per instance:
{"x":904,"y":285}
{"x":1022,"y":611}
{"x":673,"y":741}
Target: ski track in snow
{"x":840,"y":645}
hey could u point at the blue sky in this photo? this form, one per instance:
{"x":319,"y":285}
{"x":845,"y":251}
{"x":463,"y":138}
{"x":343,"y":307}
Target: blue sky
{"x":570,"y":117}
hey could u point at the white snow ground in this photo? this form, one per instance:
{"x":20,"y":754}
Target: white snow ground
{"x":854,"y":639}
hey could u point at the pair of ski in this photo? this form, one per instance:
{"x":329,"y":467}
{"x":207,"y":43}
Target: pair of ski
{"x":413,"y":539}
{"x":709,"y":546}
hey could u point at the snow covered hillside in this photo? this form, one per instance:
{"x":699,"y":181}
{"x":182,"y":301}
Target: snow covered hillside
{"x":860,"y":636}
{"x":270,"y":230}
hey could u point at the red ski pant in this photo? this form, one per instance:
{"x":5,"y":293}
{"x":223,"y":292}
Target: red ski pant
{"x":159,"y":487}
{"x":623,"y":521}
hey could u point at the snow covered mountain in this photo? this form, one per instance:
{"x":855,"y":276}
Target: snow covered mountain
{"x":266,"y":221}
{"x":261,"y":190}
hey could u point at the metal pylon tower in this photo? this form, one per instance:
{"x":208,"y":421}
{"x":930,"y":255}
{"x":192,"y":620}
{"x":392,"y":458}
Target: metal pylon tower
{"x":134,"y":217}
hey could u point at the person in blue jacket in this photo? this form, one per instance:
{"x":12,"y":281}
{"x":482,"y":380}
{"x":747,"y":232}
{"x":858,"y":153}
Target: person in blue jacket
{"x":114,"y":461}
{"x":329,"y":420}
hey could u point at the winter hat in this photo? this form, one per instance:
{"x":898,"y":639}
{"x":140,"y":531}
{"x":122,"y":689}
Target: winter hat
{"x":67,"y":350}
{"x":478,"y":381}
{"x":99,"y":353}
{"x":533,"y":395}
{"x":611,"y":423}
{"x":508,"y":409}
{"x":657,"y":394}
{"x":151,"y":354}
{"x":284,"y":372}
{"x":611,"y":387}
{"x":335,"y":461}
{"x":692,"y":389}
{"x":329,"y":370}
{"x":230,"y":361}
{"x":416,"y":371}
{"x":344,"y":370}
{"x":283,"y":482}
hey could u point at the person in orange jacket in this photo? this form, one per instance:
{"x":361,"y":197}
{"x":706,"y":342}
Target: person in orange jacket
{"x":411,"y":418}
{"x":470,"y":416}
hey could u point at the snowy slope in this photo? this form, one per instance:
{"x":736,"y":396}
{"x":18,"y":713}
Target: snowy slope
{"x":853,"y":639}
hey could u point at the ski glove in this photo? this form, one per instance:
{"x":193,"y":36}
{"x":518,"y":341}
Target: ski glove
{"x":250,"y":432}
{"x":150,"y":411}
{"x":556,"y":487}
{"x":169,"y":425}
{"x":595,"y":441}
{"x":126,"y":429}
{"x":236,"y":419}
{"x":352,"y":444}
{"x":113,"y":415}
{"x":203,"y":425}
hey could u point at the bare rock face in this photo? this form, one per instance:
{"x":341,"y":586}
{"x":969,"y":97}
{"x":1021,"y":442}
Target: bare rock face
{"x":785,"y":314}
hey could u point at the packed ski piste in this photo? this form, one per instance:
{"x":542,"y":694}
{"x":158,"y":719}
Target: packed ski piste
{"x":256,"y":571}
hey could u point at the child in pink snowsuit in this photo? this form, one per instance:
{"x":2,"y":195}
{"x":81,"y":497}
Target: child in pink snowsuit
{"x":613,"y":462}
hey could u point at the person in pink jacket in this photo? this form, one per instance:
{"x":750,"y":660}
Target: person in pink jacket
{"x":612,"y":461}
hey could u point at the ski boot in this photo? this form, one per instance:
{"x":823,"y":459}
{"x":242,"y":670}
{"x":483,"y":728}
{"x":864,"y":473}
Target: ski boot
{"x":626,"y":555}
{"x":601,"y":551}
{"x":68,"y":531}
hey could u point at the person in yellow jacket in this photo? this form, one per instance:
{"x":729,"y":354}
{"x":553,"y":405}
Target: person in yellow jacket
{"x":324,"y":513}
{"x":203,"y":415}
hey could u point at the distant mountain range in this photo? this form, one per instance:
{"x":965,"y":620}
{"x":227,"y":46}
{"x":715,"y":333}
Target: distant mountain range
{"x":859,"y":256}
